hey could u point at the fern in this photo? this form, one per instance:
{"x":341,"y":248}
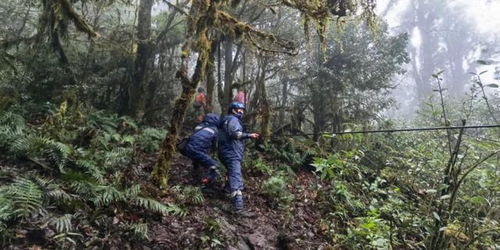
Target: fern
{"x":6,"y":214}
{"x":26,"y":197}
{"x":107,"y":195}
{"x":90,"y":167}
{"x":9,"y":134}
{"x":133,"y":191}
{"x":150,"y":139}
{"x":52,"y":191}
{"x":63,"y":223}
{"x":158,"y":207}
{"x":12,"y":120}
{"x":118,"y":157}
{"x":65,"y":237}
{"x":102,"y":121}
{"x":41,"y":147}
{"x":57,"y":153}
{"x":59,"y":195}
{"x":193,"y":194}
{"x":126,"y":121}
{"x":275,"y":189}
{"x":6,"y":209}
{"x":140,"y":230}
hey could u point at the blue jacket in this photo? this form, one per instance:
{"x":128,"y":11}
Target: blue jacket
{"x":230,"y":138}
{"x":204,"y":135}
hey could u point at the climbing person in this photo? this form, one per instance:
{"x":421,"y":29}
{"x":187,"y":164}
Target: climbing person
{"x":240,"y":96}
{"x":200,"y":104}
{"x":197,"y":149}
{"x":230,"y":149}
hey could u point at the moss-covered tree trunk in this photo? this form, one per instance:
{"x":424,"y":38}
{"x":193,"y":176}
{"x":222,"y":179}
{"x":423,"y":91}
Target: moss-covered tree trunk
{"x":211,"y":76}
{"x":201,"y":19}
{"x":264,"y":103}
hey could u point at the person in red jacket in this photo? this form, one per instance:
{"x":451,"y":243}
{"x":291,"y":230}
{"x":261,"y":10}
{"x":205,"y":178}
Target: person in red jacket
{"x":200,"y":104}
{"x":240,"y":96}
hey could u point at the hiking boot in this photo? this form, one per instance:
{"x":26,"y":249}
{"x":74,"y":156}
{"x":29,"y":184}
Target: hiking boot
{"x":244,"y":213}
{"x":237,"y":199}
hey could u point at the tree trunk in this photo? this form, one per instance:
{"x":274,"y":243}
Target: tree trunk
{"x":141,"y":73}
{"x":264,"y":103}
{"x":202,"y":16}
{"x":284,"y":100}
{"x":319,"y":105}
{"x":211,"y":76}
{"x":228,"y":75}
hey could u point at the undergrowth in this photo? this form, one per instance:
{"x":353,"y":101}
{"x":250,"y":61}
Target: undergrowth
{"x":74,"y":188}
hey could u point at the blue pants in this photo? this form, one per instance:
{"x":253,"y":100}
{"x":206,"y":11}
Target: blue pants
{"x":200,"y":157}
{"x":204,"y":160}
{"x":234,"y":174}
{"x":235,"y":182}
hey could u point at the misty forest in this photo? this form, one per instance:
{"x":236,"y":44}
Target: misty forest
{"x":249,"y":124}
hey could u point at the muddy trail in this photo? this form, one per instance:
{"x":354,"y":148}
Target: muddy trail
{"x":211,"y":225}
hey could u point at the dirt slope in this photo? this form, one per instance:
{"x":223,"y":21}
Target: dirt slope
{"x":211,"y":225}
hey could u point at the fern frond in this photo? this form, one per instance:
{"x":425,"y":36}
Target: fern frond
{"x":37,"y":146}
{"x":58,"y":153}
{"x":62,"y":223}
{"x":140,"y":230}
{"x":27,"y":198}
{"x":154,"y":133}
{"x":21,"y":146}
{"x":129,"y":122}
{"x":92,"y":169}
{"x":108,"y":194}
{"x":118,"y":156}
{"x":51,"y":190}
{"x":133,"y":191}
{"x":5,"y":207}
{"x":62,"y":238}
{"x":40,"y":181}
{"x":83,"y":188}
{"x":9,"y":134}
{"x":193,"y":194}
{"x":59,"y":195}
{"x":12,"y":120}
{"x":102,"y":121}
{"x":158,"y":207}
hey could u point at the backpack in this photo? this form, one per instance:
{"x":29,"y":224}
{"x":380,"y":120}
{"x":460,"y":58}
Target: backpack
{"x":182,"y":143}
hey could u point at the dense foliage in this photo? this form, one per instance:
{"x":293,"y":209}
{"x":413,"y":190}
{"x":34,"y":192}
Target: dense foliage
{"x":87,"y":88}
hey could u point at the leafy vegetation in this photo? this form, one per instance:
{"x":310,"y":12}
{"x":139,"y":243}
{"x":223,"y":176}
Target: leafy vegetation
{"x":87,"y":159}
{"x":75,"y":186}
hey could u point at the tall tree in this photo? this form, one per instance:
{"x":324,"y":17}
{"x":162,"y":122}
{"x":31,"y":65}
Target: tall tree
{"x":143,"y":61}
{"x":351,"y":85}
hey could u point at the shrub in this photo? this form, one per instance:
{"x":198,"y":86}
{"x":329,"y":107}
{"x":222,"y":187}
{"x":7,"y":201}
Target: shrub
{"x":276,"y":191}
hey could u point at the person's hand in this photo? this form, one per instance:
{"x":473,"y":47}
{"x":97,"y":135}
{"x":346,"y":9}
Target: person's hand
{"x":254,"y":135}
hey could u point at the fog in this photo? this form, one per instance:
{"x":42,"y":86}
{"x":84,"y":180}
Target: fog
{"x":455,"y":37}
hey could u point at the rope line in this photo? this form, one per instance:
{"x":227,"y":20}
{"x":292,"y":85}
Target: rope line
{"x":396,"y":130}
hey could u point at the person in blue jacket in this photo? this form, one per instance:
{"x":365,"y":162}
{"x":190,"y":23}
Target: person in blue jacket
{"x":231,"y":151}
{"x":198,"y":146}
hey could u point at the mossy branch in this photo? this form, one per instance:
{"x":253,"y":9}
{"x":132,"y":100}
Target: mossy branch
{"x":79,"y":22}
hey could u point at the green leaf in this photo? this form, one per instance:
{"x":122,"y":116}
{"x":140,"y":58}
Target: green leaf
{"x":436,"y":216}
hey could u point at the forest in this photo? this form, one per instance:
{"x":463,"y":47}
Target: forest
{"x":352,"y":124}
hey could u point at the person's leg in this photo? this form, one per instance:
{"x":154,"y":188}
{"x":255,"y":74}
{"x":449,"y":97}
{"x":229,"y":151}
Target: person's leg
{"x":209,"y":166}
{"x":235,"y":183}
{"x":195,"y":172}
